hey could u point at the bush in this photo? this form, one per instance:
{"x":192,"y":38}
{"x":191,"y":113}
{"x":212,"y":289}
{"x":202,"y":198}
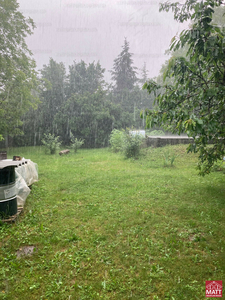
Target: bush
{"x":132,"y":145}
{"x":126,"y":142}
{"x":51,"y":142}
{"x":76,"y":144}
{"x":116,"y":140}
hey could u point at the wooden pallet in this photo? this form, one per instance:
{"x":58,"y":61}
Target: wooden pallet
{"x":13,"y":218}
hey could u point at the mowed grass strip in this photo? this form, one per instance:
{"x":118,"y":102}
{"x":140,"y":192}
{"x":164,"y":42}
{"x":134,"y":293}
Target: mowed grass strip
{"x":108,"y":228}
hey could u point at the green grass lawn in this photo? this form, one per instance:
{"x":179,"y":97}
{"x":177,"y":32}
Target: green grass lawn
{"x":104,"y":227}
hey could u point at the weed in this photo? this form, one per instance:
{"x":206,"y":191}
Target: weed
{"x":168,"y":158}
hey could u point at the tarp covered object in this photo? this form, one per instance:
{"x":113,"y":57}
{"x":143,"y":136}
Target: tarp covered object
{"x":26,"y":175}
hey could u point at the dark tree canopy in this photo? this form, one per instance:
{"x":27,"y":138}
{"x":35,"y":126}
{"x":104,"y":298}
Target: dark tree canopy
{"x":194,"y":101}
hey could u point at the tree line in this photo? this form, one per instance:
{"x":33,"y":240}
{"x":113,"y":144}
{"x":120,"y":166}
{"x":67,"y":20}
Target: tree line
{"x":79,"y":102}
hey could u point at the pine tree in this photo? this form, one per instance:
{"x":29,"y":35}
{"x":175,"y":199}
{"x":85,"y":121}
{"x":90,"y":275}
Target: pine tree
{"x":124,"y":73}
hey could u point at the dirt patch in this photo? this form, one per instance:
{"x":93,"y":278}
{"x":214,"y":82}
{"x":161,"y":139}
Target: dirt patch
{"x":25,"y":251}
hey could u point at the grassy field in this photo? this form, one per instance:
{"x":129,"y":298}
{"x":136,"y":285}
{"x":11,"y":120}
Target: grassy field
{"x":103,"y":227}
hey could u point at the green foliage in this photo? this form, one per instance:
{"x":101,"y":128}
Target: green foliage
{"x":51,"y":142}
{"x":84,"y":78}
{"x":52,"y":97}
{"x":75,"y":143}
{"x":147,"y":99}
{"x":132,"y":144}
{"x":125,"y":91}
{"x":127,"y":142}
{"x":124,"y":73}
{"x":18,"y":78}
{"x":116,"y":140}
{"x":71,"y":102}
{"x":193,"y":100}
{"x":80,"y":102}
{"x":88,"y":116}
{"x":219,"y":166}
{"x":168,"y":158}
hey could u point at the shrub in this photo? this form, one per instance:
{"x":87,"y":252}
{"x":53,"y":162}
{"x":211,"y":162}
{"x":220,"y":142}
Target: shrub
{"x":76,"y":144}
{"x":51,"y":142}
{"x":126,"y":142}
{"x":116,"y":140}
{"x":132,"y":145}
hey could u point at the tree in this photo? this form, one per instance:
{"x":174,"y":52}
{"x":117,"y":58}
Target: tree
{"x":54,"y":97}
{"x":124,"y":92}
{"x":194,"y":101}
{"x":84,"y":78}
{"x":18,"y":81}
{"x":83,"y":86}
{"x":87,"y":116}
{"x":38,"y":122}
{"x":144,"y":75}
{"x":124,"y":73}
{"x":76,"y":103}
{"x":146,"y":99}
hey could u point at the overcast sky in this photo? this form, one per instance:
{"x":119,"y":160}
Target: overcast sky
{"x":93,"y":30}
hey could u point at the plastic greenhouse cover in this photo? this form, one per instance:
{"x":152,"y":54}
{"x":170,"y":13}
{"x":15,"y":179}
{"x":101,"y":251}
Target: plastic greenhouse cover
{"x":26,"y":175}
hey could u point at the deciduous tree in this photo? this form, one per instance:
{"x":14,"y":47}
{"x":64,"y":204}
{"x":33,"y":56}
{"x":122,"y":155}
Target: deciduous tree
{"x":18,"y":81}
{"x":54,"y":97}
{"x":84,"y":78}
{"x":194,"y":101}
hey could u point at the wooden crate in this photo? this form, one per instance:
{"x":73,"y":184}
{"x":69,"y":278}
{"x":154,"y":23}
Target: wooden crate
{"x":13,"y":218}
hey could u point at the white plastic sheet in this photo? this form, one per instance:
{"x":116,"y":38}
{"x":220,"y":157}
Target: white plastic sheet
{"x":26,"y":175}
